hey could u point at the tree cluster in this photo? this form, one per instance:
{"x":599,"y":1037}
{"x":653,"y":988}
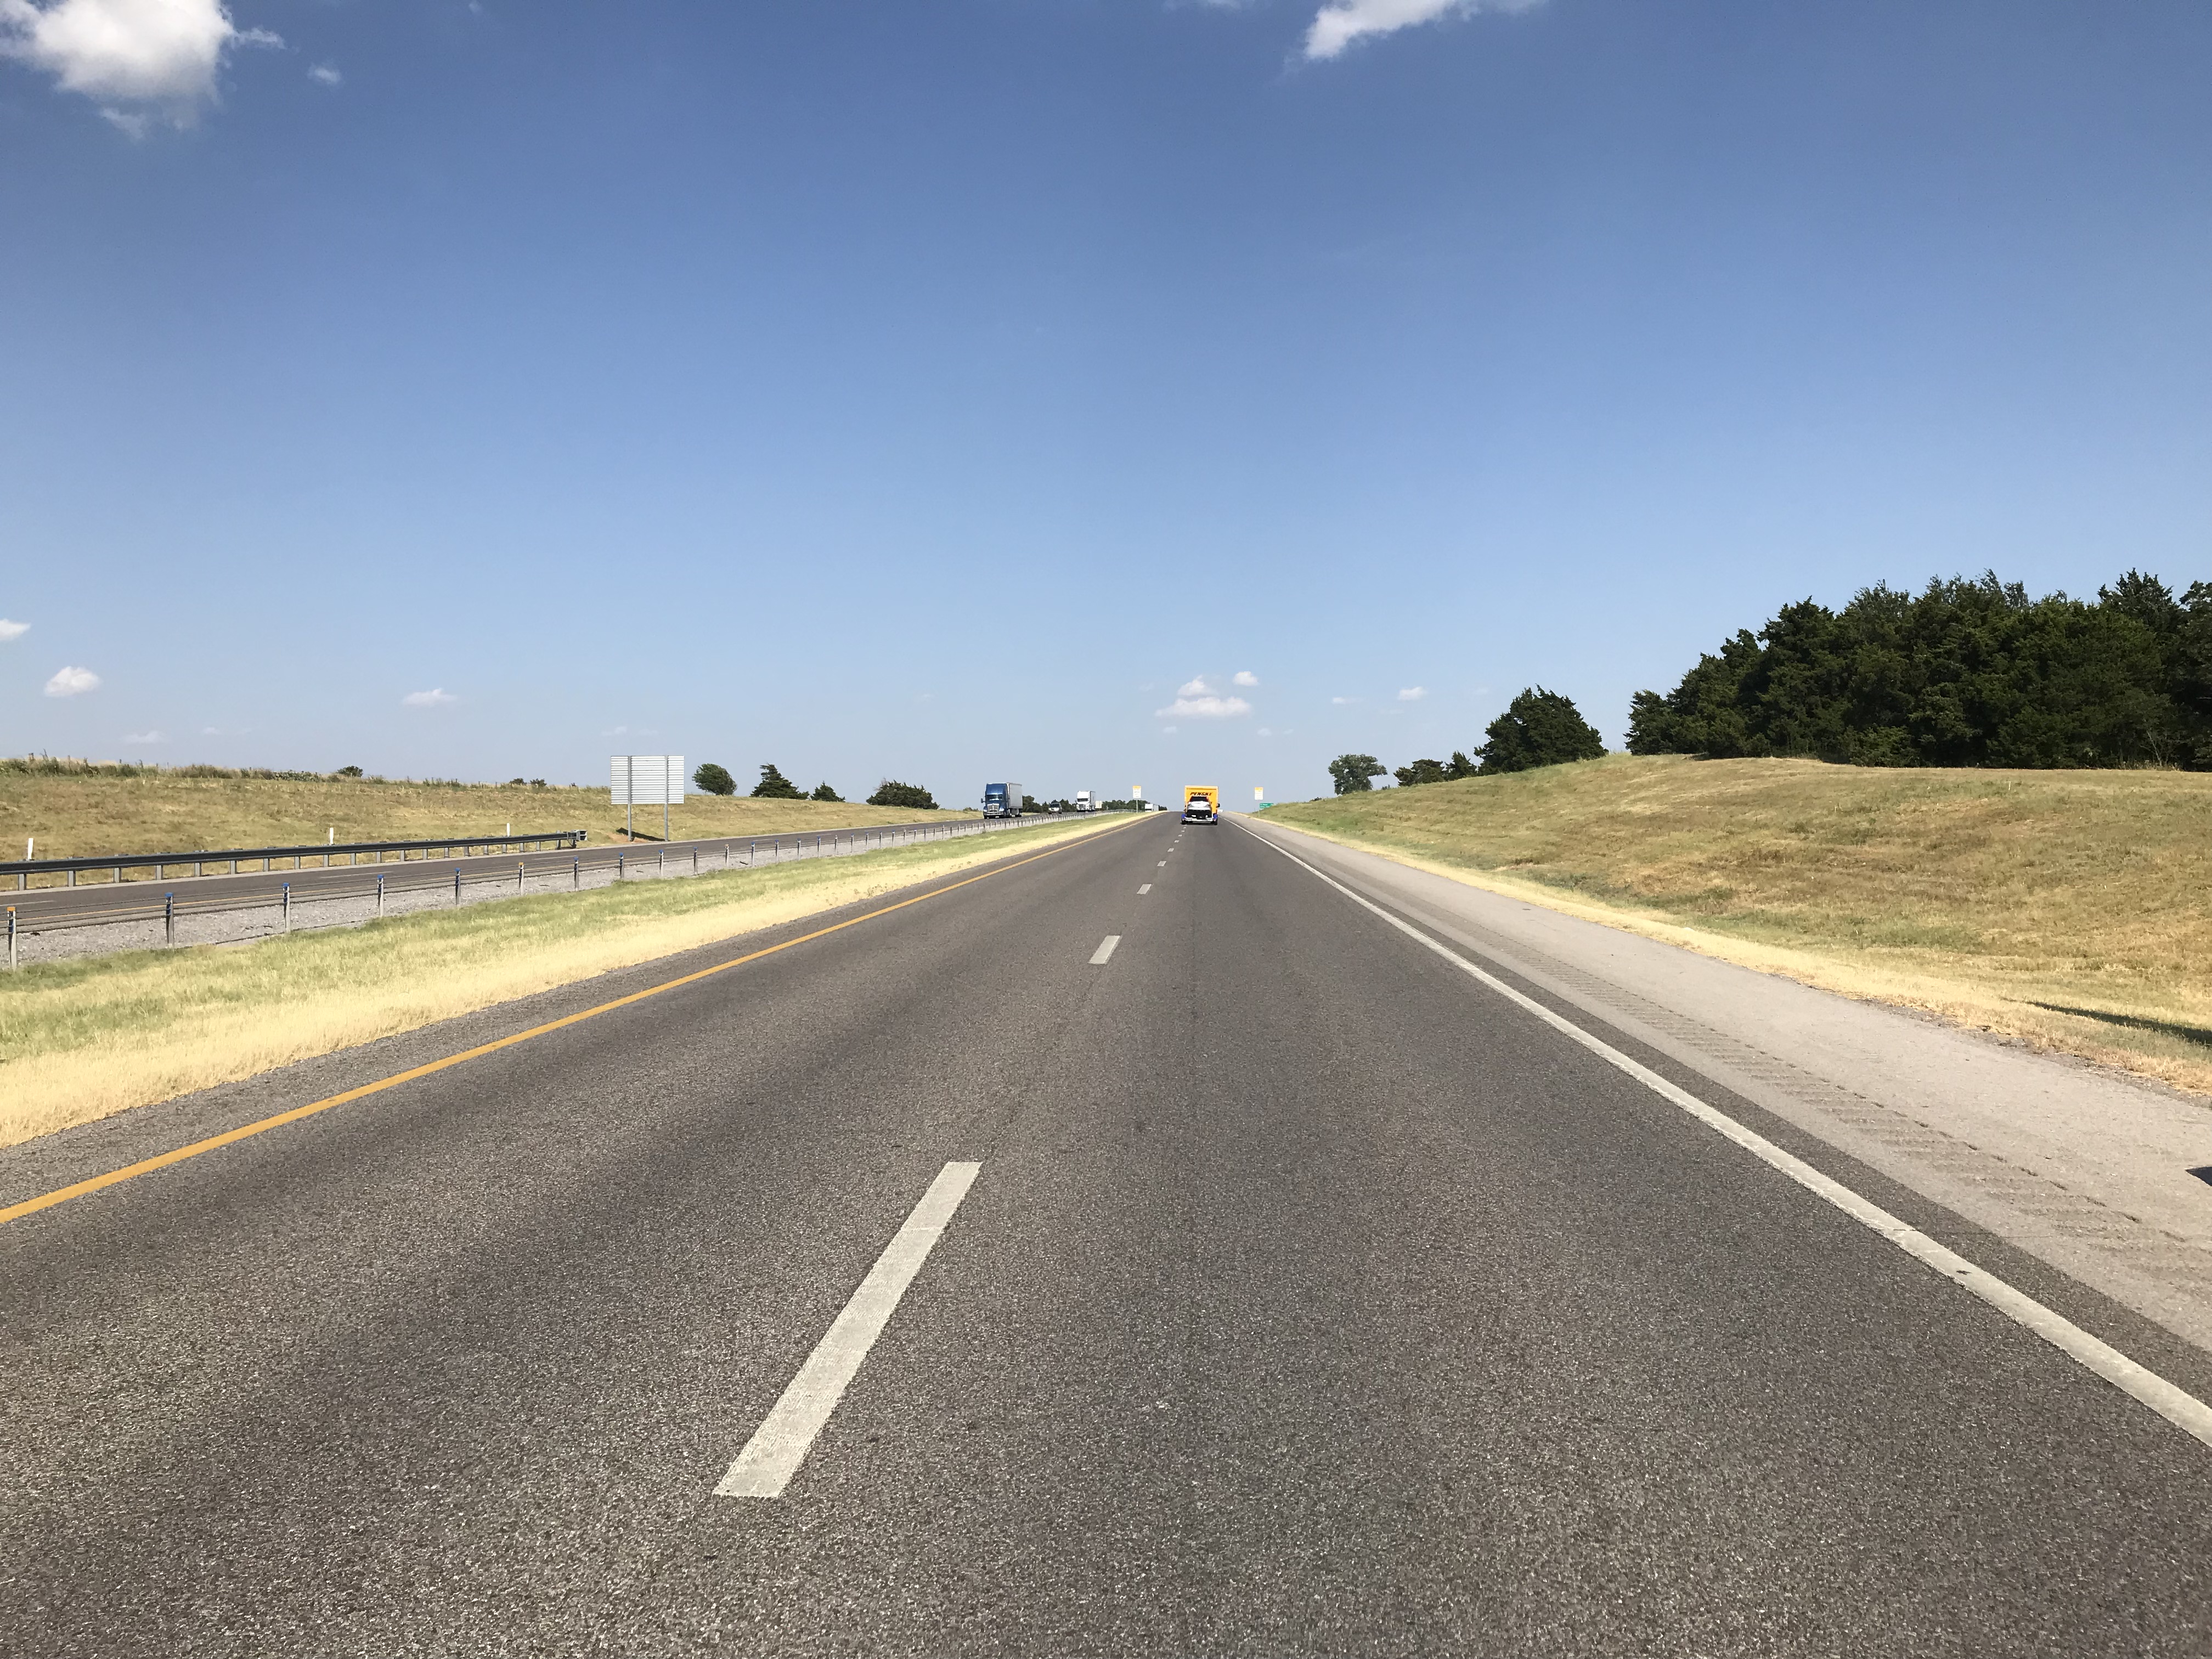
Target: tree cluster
{"x":1965,"y":673}
{"x":1538,"y":728}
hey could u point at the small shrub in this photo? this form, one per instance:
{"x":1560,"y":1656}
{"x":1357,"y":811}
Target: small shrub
{"x":890,"y":793}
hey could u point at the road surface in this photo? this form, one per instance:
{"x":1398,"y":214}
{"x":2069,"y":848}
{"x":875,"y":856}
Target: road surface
{"x":1306,"y":1295}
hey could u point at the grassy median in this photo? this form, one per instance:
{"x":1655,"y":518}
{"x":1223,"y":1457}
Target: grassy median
{"x":84,"y":1038}
{"x":78,"y":811}
{"x":2071,"y":909}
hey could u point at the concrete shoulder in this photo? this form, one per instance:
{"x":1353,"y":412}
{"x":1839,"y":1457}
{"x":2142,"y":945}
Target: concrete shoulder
{"x":2085,"y":1168}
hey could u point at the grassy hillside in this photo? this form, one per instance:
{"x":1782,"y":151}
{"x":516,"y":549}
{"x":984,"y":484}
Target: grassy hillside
{"x":1997,"y":898}
{"x":77,"y":811}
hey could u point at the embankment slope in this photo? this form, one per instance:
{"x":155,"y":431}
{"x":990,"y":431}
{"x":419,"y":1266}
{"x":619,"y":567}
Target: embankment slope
{"x":2071,"y":910}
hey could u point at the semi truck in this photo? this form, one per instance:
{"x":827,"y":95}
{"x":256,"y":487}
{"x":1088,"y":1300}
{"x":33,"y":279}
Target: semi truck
{"x":1201,"y":804}
{"x":1083,"y":803}
{"x":1002,"y":800}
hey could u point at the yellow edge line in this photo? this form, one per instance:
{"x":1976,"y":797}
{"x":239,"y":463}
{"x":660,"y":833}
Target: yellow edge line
{"x":162,"y":1161}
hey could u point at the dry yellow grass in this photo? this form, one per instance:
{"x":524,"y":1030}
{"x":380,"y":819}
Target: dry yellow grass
{"x":82,"y":1039}
{"x":1994,"y":899}
{"x":86,"y":812}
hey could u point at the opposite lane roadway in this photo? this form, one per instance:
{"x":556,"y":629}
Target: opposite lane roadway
{"x":1308,"y":1297}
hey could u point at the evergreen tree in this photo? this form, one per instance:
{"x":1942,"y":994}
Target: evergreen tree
{"x":774,"y":786}
{"x":1350,"y":773}
{"x":712,"y":779}
{"x":1421,"y":771}
{"x":1538,"y":728}
{"x":823,"y":792}
{"x":888,"y":794}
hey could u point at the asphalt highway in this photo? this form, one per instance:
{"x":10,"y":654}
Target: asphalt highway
{"x":1305,"y":1296}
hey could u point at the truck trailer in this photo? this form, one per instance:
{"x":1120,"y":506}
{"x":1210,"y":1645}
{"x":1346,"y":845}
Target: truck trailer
{"x":1201,"y":804}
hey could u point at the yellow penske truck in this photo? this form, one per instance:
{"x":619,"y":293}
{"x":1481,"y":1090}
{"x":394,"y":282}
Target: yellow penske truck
{"x":1201,"y":804}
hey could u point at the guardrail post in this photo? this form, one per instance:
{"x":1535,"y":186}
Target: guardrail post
{"x":457,"y":884}
{"x":694,"y":860}
{"x":518,"y":875}
{"x":751,"y":848}
{"x":168,"y":918}
{"x":380,"y":895}
{"x":11,"y":938}
{"x":577,"y":872}
{"x":620,"y":858}
{"x":286,"y":903}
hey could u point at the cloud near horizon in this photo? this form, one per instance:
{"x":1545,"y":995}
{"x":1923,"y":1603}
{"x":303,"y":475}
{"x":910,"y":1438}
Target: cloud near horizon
{"x":72,"y":681}
{"x":1339,"y":23}
{"x":1203,"y":708}
{"x":13,"y":630}
{"x":1412,"y":694}
{"x":436,"y":695}
{"x":1245,"y":676}
{"x":135,"y":58}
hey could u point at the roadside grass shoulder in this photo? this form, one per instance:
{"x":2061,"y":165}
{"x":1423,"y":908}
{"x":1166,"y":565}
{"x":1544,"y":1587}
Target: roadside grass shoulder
{"x":83,"y":1038}
{"x":1997,"y":900}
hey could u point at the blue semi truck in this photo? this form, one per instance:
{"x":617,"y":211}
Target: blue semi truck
{"x":1002,"y":800}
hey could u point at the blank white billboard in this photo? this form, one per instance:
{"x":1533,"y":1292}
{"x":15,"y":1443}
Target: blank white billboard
{"x":647,"y":780}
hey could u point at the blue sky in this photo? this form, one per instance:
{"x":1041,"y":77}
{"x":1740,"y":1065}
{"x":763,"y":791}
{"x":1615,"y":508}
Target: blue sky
{"x":935,"y":390}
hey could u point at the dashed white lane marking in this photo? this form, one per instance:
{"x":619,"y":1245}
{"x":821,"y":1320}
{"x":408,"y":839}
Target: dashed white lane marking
{"x":1164,"y":864}
{"x":773,"y":1455}
{"x":1098,"y":957}
{"x":1144,"y":889}
{"x":2181,"y":1409}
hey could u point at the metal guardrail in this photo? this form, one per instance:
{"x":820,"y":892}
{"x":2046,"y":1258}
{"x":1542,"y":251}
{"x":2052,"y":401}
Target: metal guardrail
{"x":290,"y":909}
{"x":24,"y":869}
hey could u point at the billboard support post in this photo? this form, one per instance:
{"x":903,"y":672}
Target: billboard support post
{"x":646,"y":780}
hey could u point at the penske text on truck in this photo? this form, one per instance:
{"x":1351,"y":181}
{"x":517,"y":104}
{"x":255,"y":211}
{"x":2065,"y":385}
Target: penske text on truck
{"x":1201,"y":804}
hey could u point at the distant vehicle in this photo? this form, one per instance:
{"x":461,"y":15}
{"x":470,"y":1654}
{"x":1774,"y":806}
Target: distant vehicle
{"x":1201,"y":804}
{"x":1083,"y":803}
{"x":1002,"y":800}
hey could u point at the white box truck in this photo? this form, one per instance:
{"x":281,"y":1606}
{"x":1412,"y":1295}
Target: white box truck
{"x":1083,"y":803}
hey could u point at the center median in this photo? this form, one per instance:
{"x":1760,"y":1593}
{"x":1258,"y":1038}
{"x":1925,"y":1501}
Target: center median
{"x":84,"y":1039}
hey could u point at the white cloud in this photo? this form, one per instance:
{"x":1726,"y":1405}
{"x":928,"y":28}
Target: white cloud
{"x":13,"y":630}
{"x":1340,"y":701}
{"x":1207,"y":708}
{"x":1195,"y":687}
{"x":1246,"y":677}
{"x":140,"y":740}
{"x":133,"y":57}
{"x":1265,"y":732}
{"x":326,"y":74}
{"x":430,"y":699}
{"x":1412,"y":694}
{"x":1167,"y":731}
{"x":70,"y":681}
{"x":1340,"y":22}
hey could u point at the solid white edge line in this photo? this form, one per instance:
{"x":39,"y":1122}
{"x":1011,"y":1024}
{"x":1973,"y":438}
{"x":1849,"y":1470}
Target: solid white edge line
{"x":779,"y":1445}
{"x":1105,"y":949}
{"x":2177,"y":1406}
